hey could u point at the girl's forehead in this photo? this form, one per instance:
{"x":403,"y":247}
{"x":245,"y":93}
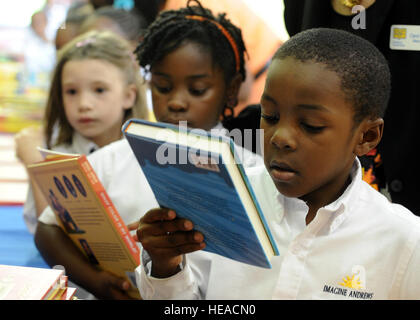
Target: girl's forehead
{"x":92,"y":68}
{"x":189,"y":57}
{"x":189,"y":50}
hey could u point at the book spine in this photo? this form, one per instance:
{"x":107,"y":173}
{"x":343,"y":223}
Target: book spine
{"x":50,"y":290}
{"x":110,"y":209}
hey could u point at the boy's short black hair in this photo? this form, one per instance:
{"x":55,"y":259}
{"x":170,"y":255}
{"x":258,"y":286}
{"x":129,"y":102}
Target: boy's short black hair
{"x":364,"y":71}
{"x":171,"y":29}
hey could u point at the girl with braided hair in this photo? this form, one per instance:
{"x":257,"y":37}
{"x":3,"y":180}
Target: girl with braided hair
{"x":217,"y":45}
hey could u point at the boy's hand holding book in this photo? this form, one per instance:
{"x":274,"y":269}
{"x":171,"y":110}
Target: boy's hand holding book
{"x":166,"y":238}
{"x":109,"y":286}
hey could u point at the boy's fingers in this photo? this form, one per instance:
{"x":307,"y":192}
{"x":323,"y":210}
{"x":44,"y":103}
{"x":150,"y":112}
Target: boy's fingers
{"x":121,"y":284}
{"x":163,"y":227}
{"x":173,"y":240}
{"x":135,"y":238}
{"x":180,"y":250}
{"x":158,"y":214}
{"x":133,"y":226}
{"x":125,"y":285}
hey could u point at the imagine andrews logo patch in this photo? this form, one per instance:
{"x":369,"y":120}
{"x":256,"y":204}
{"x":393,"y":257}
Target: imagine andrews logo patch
{"x":353,"y":287}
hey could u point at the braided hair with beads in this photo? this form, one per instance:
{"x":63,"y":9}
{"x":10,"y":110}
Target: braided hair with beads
{"x":194,"y":23}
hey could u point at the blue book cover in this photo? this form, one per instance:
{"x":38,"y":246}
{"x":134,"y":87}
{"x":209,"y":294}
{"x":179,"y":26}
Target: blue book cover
{"x":198,"y":186}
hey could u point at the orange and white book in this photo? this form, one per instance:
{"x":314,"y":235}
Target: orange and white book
{"x":28,"y":283}
{"x":86,"y":213}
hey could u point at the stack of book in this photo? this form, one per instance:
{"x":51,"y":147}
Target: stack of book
{"x":28,"y":283}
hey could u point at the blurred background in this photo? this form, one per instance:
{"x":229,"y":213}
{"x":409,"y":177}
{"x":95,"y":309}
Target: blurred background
{"x":28,"y":31}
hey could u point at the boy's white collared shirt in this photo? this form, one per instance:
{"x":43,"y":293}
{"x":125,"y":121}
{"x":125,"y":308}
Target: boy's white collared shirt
{"x":358,"y":247}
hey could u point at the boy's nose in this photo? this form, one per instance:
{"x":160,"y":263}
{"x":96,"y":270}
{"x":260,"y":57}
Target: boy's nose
{"x":283,"y":138}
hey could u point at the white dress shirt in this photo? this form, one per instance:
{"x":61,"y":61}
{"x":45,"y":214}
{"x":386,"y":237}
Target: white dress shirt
{"x":361,"y":246}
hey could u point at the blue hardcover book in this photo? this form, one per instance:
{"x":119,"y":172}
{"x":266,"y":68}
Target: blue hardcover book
{"x":196,"y":174}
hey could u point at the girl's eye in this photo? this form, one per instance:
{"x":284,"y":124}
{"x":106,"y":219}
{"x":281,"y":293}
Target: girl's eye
{"x":197,"y":92}
{"x":312,"y":129}
{"x":70,"y":91}
{"x":162,"y":89}
{"x":100,"y":90}
{"x":270,"y":118}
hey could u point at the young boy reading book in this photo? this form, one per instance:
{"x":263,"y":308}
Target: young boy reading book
{"x":323,"y":103}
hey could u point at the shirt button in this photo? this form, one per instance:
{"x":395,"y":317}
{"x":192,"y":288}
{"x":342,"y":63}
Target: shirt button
{"x":297,"y":251}
{"x":396,"y":185}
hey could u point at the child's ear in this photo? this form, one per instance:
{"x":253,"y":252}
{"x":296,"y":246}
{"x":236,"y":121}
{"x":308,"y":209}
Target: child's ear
{"x":130,"y":96}
{"x":233,"y":90}
{"x":370,"y":134}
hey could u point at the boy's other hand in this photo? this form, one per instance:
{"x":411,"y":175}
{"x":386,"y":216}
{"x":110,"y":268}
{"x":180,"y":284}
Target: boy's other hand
{"x":166,"y":238}
{"x":109,"y":286}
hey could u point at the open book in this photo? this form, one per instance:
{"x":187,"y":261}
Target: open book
{"x":86,"y":213}
{"x":198,"y":175}
{"x":28,"y":283}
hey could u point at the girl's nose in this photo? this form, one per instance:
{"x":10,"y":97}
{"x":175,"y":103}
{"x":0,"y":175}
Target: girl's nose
{"x":284,"y":138}
{"x":178,"y":103}
{"x":85,"y":102}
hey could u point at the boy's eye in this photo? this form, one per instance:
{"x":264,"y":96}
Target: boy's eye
{"x":312,"y":129}
{"x":270,"y":118}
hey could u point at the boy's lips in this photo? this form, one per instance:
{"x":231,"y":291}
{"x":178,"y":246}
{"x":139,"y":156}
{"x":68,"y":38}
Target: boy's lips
{"x":281,"y":171}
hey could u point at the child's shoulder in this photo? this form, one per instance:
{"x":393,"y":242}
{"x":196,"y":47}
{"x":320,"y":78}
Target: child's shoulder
{"x":111,"y":158}
{"x":385,"y":212}
{"x":114,"y":148}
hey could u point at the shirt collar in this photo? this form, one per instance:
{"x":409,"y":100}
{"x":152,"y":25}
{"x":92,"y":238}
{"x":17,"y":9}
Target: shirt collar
{"x":336,"y":211}
{"x":342,"y":206}
{"x":82,"y":145}
{"x":218,"y":129}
